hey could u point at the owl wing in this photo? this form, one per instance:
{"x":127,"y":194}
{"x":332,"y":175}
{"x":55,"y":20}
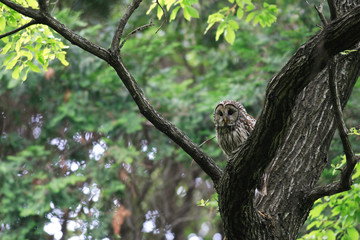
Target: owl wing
{"x":250,"y":121}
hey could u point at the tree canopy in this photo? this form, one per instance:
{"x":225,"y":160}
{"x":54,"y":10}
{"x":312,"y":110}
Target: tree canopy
{"x":79,"y":160}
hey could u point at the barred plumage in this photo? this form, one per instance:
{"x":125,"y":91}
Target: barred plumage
{"x":233,"y":125}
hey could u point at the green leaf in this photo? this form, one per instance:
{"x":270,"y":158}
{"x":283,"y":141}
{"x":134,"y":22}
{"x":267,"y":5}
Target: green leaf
{"x":152,"y":6}
{"x":174,"y":13}
{"x":13,"y":82}
{"x":8,"y":58}
{"x":61,"y":57}
{"x":250,"y":7}
{"x":240,"y":13}
{"x":234,"y":25}
{"x":220,"y":30}
{"x":330,"y":235}
{"x":24,"y":74}
{"x":353,"y":233}
{"x":160,"y":12}
{"x":193,"y":12}
{"x":2,"y":24}
{"x":12,"y":63}
{"x":230,"y":35}
{"x":16,"y":73}
{"x":190,"y":12}
{"x":33,"y":67}
{"x":250,"y":16}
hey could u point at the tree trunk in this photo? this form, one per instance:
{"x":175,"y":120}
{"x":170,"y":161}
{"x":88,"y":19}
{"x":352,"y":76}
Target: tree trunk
{"x":298,"y":151}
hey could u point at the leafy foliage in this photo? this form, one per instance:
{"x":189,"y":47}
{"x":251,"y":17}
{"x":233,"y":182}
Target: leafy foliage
{"x":226,"y":17}
{"x":34,"y":46}
{"x":74,"y":148}
{"x":337,"y":216}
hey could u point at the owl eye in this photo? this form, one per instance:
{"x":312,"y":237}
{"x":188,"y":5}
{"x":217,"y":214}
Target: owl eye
{"x":230,"y":112}
{"x":220,"y":113}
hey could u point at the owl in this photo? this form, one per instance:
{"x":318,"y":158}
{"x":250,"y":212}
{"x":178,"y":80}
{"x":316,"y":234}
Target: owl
{"x":233,"y":125}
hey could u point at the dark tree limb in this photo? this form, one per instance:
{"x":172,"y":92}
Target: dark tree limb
{"x":282,"y":90}
{"x":113,"y":58}
{"x":29,"y":12}
{"x":345,"y":181}
{"x":333,"y":10}
{"x":207,"y":164}
{"x":243,"y":171}
{"x":115,"y":44}
{"x":43,"y":6}
{"x":32,"y":22}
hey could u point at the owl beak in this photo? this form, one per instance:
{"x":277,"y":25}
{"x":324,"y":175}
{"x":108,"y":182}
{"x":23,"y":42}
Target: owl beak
{"x":225,"y":119}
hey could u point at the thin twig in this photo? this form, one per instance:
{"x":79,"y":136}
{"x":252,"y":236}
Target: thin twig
{"x":135,"y":31}
{"x":164,"y":21}
{"x":55,"y":4}
{"x":115,"y":44}
{"x":32,"y":22}
{"x":321,"y":15}
{"x":206,"y":141}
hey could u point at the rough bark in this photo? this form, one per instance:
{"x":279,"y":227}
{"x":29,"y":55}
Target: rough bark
{"x":299,"y":100}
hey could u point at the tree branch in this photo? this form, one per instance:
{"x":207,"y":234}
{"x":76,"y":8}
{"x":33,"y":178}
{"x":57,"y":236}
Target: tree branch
{"x":43,"y":6}
{"x":319,"y":10}
{"x":311,"y":58}
{"x":115,"y":48}
{"x":60,"y":28}
{"x":207,"y":164}
{"x":32,"y":22}
{"x":29,"y":12}
{"x":113,"y":58}
{"x":333,"y":11}
{"x":345,"y":180}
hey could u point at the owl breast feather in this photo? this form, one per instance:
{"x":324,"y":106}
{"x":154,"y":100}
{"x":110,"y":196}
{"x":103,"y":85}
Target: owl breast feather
{"x":230,"y":138}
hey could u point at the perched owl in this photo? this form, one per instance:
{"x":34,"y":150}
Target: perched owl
{"x":233,"y":125}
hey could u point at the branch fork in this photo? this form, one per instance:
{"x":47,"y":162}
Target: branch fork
{"x":112,"y":57}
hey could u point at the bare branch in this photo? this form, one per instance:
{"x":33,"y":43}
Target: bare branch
{"x":43,"y":6}
{"x":320,"y":13}
{"x":134,"y":31}
{"x":164,"y":21}
{"x":113,"y":58}
{"x":32,"y":22}
{"x":207,"y":140}
{"x":333,"y":11}
{"x":115,"y":48}
{"x":345,"y":181}
{"x":207,"y":164}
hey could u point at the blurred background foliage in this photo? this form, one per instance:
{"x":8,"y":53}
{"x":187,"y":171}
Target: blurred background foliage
{"x":78,"y":161}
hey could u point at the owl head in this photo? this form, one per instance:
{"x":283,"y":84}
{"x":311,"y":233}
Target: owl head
{"x":227,"y":113}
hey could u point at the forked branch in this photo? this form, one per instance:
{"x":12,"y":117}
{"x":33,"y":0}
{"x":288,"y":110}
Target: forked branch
{"x":113,"y":58}
{"x":345,"y":180}
{"x":115,"y":44}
